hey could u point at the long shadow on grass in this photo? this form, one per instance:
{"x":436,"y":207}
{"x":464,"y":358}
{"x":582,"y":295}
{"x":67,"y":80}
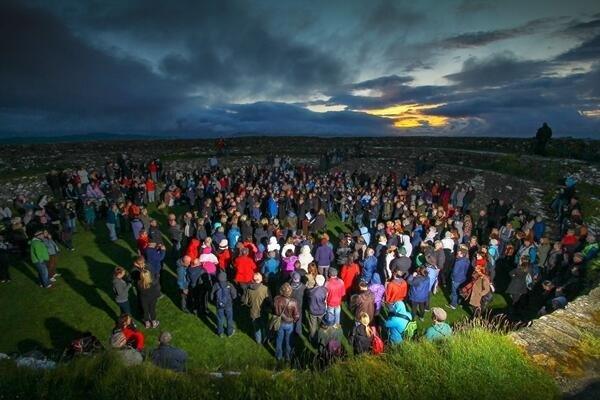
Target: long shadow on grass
{"x":61,"y":333}
{"x":89,"y":292}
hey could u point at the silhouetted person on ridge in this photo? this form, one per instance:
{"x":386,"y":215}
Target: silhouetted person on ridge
{"x":542,"y":137}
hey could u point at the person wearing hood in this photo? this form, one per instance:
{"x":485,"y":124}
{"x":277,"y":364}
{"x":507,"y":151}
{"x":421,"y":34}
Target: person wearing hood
{"x":257,"y":298}
{"x":223,"y":293}
{"x":317,"y":307}
{"x":298,"y":289}
{"x":378,"y":291}
{"x":270,"y":268}
{"x":323,"y":256}
{"x":305,"y":257}
{"x":398,"y":319}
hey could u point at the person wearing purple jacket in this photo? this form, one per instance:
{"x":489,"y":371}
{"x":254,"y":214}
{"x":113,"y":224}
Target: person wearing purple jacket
{"x":324,"y":256}
{"x":378,"y":291}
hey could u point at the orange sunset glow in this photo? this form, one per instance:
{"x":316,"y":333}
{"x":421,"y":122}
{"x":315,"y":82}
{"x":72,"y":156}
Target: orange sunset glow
{"x":410,"y":115}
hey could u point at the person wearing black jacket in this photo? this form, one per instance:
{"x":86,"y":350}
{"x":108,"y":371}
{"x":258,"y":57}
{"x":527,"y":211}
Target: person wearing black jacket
{"x":149,"y":292}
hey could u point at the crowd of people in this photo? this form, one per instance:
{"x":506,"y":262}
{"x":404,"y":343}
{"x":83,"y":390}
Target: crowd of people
{"x":255,"y":240}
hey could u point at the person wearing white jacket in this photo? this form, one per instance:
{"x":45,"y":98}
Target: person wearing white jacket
{"x":305,"y":257}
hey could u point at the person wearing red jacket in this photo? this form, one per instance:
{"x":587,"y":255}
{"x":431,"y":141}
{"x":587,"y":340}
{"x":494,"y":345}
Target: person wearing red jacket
{"x":134,"y":337}
{"x":244,"y":268}
{"x":335,"y":293}
{"x":193,"y":249}
{"x":224,"y":255}
{"x":397,"y":289}
{"x":349,"y":274}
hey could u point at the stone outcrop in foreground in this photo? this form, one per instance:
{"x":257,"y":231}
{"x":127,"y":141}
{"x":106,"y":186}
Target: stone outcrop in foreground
{"x":564,"y":343}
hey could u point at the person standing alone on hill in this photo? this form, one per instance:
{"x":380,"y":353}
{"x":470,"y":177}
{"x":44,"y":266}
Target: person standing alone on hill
{"x":542,"y":137}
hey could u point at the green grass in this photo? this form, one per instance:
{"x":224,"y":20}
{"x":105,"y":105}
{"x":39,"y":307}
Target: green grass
{"x":472,"y":364}
{"x":82,"y":300}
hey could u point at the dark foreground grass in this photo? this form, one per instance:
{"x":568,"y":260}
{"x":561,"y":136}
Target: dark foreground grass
{"x":473,"y":364}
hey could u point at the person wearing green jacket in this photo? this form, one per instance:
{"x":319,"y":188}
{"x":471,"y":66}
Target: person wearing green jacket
{"x":40,"y":258}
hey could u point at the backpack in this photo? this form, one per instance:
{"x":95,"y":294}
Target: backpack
{"x":223,"y":296}
{"x":85,"y":345}
{"x":377,"y":345}
{"x":410,"y":329}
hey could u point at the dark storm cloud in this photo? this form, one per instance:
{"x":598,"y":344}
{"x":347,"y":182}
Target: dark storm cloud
{"x":473,"y":6}
{"x":586,"y":51}
{"x":227,"y":47}
{"x":388,"y":16}
{"x":281,"y":118}
{"x":45,"y":67}
{"x":482,"y":38}
{"x":496,"y":70}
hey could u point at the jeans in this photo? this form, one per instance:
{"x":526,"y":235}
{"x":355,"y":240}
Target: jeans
{"x":323,"y":270}
{"x":42,"y":269}
{"x":258,"y":326}
{"x":344,"y":216}
{"x":225,"y":313}
{"x":125,"y":307}
{"x":284,"y":333}
{"x":334,"y":312}
{"x":454,"y":293}
{"x":151,"y":197}
{"x":112,"y":231}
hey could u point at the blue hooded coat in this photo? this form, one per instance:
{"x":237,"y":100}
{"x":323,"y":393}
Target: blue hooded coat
{"x":396,"y":323}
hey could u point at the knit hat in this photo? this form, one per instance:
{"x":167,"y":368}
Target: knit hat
{"x":295,"y":277}
{"x":320,"y":280}
{"x":494,"y":242}
{"x":223,"y":244}
{"x":439,"y":314}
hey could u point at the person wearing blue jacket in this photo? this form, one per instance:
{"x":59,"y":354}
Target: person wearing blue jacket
{"x":419,"y":291}
{"x":459,"y":275}
{"x":155,"y":254}
{"x":272,"y":207}
{"x":183,"y":281}
{"x":369,"y":266}
{"x":233,"y":236}
{"x":398,"y":319}
{"x":270,"y":268}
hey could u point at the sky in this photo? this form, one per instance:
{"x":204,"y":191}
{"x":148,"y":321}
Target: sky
{"x":306,"y":67}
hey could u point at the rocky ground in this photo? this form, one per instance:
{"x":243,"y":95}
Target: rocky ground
{"x":556,"y":343}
